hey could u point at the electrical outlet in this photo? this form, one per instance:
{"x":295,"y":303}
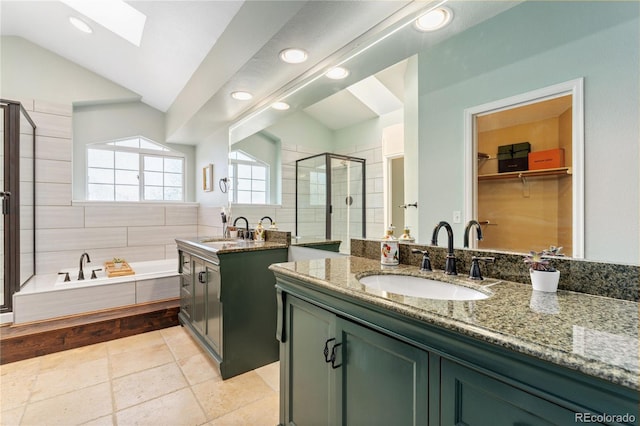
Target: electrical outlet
{"x":457,"y":216}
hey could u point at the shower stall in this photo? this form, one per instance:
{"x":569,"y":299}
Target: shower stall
{"x":330,"y":198}
{"x":17,"y":197}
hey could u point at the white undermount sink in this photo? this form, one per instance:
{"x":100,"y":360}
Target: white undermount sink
{"x":420,"y":287}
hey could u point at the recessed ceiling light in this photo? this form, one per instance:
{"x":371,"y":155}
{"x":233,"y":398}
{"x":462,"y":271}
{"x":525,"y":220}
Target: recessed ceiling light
{"x":293,"y":56}
{"x":280,"y":106}
{"x":337,"y":73}
{"x":115,"y":15}
{"x":434,"y":20}
{"x":80,"y":24}
{"x":241,"y":96}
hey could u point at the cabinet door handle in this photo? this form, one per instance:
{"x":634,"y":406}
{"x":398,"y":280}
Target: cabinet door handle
{"x":333,"y":357}
{"x":201,"y":277}
{"x":328,"y":358}
{"x":280,"y":321}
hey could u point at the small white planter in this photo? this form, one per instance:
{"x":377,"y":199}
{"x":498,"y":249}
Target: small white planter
{"x":546,"y":281}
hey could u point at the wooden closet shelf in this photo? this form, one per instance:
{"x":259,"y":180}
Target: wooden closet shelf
{"x":561,"y":171}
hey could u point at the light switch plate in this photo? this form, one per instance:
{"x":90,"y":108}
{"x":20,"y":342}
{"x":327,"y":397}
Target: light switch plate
{"x":457,"y":216}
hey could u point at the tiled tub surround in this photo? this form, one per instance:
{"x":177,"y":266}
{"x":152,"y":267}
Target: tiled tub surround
{"x":596,"y":278}
{"x":597,"y":336}
{"x":65,"y":228}
{"x":47,"y":296}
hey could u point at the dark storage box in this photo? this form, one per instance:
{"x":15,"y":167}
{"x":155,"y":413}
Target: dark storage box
{"x":514,"y":157}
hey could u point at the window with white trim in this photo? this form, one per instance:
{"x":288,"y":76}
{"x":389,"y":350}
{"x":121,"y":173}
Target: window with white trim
{"x":134,"y":169}
{"x":248,"y":179}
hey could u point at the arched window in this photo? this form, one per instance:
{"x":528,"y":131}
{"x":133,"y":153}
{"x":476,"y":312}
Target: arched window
{"x":134,"y":169}
{"x":249,"y":179}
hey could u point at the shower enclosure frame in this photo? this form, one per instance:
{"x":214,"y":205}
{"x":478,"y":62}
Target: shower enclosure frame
{"x":328,"y":207}
{"x":13,"y":112}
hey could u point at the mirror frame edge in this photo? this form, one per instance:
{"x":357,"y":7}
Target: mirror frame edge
{"x":574,"y":87}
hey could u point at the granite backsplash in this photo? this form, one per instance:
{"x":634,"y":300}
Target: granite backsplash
{"x":597,"y":278}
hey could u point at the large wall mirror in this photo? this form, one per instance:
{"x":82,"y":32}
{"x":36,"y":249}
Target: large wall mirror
{"x":491,"y":52}
{"x":526,"y":153}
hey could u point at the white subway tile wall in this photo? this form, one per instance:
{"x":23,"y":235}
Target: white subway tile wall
{"x":64,"y":231}
{"x":147,"y":232}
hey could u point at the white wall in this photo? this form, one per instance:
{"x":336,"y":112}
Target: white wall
{"x":65,"y":229}
{"x":214,"y":150}
{"x":31,"y":72}
{"x":117,"y":120}
{"x":48,"y":86}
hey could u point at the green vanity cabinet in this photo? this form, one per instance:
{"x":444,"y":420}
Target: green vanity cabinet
{"x":207,"y":308}
{"x":228,"y":304}
{"x":345,"y":361}
{"x":186,"y":286}
{"x":338,"y":372}
{"x":469,"y":397}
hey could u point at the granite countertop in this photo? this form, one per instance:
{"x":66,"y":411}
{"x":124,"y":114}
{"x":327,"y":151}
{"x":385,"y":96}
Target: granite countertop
{"x":592,"y":334}
{"x":221,"y":245}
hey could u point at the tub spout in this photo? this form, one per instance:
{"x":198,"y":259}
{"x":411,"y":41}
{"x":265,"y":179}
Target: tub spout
{"x":81,"y":272}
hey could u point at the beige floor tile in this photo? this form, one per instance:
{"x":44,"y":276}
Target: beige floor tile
{"x":71,"y":408}
{"x":11,"y":417}
{"x":27,"y":367}
{"x":219,"y":398}
{"x":182,"y":345}
{"x":102,"y":421}
{"x":175,"y":409}
{"x":133,"y":343}
{"x":148,"y":384}
{"x":15,"y":389}
{"x":262,"y":412}
{"x":172,"y":332}
{"x":73,"y":357}
{"x":63,"y":380}
{"x":128,"y":362}
{"x":270,"y":373}
{"x":199,"y":368}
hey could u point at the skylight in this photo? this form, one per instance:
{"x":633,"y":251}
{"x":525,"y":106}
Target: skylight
{"x":115,"y":15}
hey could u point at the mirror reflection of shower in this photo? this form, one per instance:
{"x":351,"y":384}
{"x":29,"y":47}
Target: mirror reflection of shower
{"x":330,"y":198}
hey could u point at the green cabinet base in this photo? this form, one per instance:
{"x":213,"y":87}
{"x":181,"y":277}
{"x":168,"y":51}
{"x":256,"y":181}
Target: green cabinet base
{"x":391,"y":369}
{"x":229,"y":303}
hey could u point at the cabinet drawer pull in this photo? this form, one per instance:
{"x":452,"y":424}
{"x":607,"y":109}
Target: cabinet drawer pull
{"x":201,"y":277}
{"x":328,"y":358}
{"x":280,"y":321}
{"x":333,"y":357}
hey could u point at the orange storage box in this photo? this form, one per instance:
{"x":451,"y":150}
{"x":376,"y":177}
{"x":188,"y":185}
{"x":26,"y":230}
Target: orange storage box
{"x":548,"y":159}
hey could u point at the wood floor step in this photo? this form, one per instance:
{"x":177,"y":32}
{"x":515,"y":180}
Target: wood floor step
{"x":23,"y":341}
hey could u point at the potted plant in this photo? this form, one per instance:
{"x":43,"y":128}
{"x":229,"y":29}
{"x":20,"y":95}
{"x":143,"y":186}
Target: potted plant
{"x":117,"y":262}
{"x":544,"y":277}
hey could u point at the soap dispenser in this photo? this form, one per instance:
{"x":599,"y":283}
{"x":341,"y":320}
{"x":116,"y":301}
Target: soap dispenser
{"x":259,"y":232}
{"x":389,"y":250}
{"x":406,"y":236}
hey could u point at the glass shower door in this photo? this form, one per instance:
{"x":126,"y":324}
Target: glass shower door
{"x":347,"y":201}
{"x":17,"y":186}
{"x":311,"y":197}
{"x":2,"y":191}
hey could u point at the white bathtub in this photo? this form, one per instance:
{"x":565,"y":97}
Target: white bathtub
{"x":48,"y":296}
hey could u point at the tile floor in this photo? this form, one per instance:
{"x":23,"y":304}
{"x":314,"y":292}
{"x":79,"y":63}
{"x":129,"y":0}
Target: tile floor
{"x":160,"y":378}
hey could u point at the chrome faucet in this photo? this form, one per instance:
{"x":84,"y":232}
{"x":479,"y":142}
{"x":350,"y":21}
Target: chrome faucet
{"x":81,"y":272}
{"x":467,"y":229}
{"x":450,"y":265}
